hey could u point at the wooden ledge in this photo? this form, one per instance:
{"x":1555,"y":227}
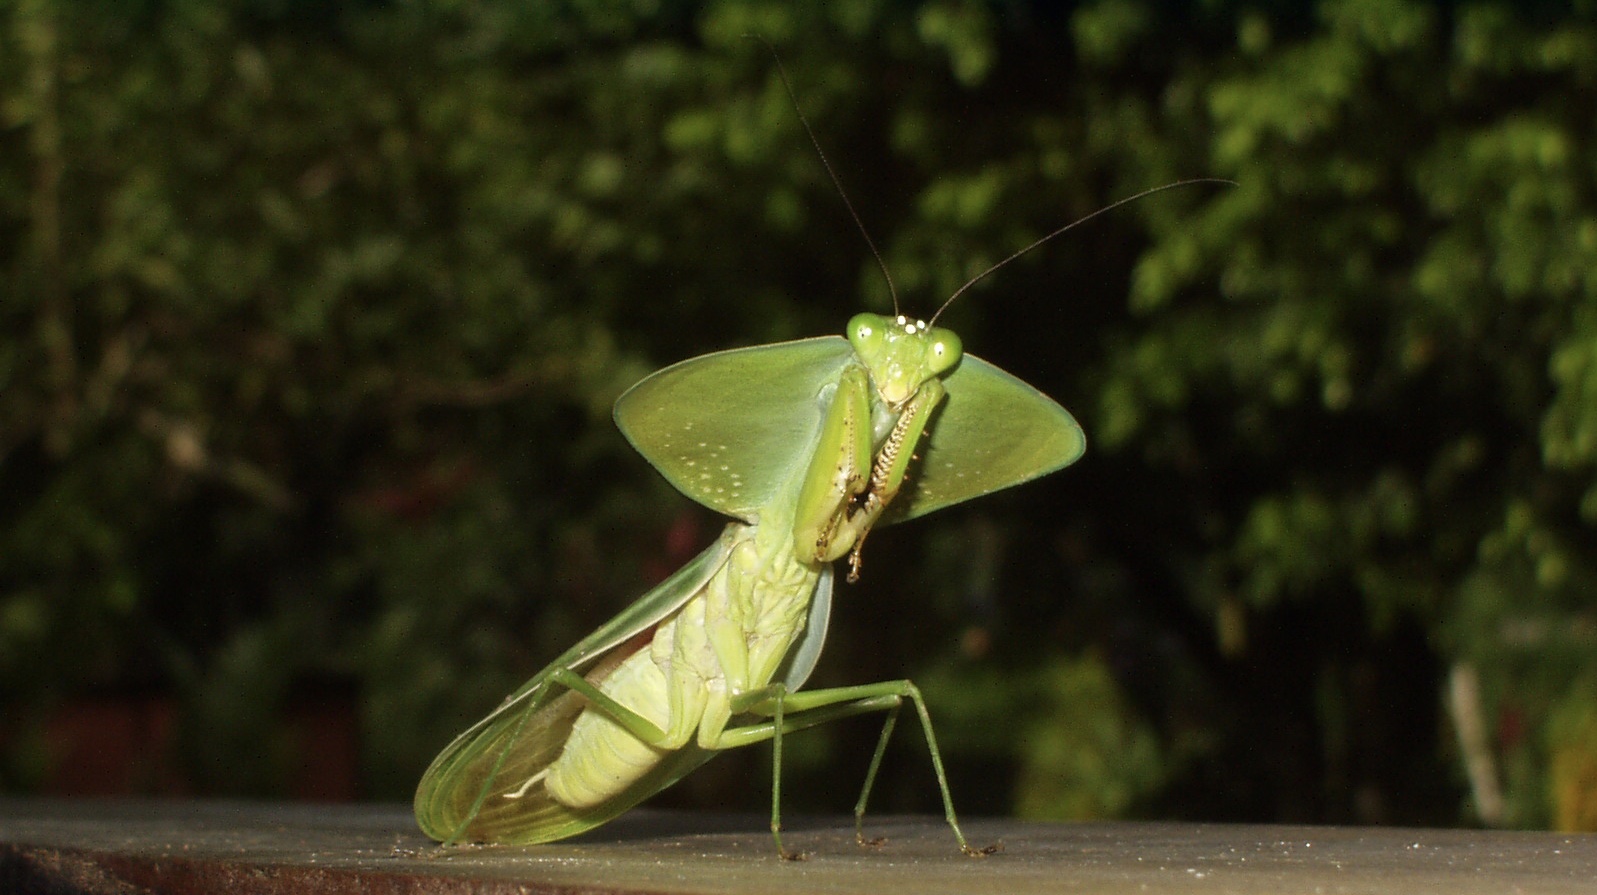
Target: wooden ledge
{"x":126,"y":847}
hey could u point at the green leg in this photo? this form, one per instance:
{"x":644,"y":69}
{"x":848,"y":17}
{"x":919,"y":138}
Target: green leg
{"x":779,"y":695}
{"x":636,"y":724}
{"x":796,"y":711}
{"x":870,"y":779}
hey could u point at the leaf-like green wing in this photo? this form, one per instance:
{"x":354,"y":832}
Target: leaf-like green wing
{"x":462,"y":794}
{"x":992,"y":432}
{"x":528,"y":740}
{"x":730,"y":429}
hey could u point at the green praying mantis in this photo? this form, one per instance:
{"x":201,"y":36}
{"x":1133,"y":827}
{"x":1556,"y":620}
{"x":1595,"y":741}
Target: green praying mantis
{"x":808,"y":445}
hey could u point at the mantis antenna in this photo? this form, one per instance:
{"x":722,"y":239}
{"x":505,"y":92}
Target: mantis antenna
{"x":836,"y":181}
{"x":1081,"y":220}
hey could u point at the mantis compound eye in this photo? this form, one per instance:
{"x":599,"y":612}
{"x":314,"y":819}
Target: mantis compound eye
{"x":944,"y":351}
{"x":866,"y":330}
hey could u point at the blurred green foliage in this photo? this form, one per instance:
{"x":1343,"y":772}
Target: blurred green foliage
{"x":311,"y":316}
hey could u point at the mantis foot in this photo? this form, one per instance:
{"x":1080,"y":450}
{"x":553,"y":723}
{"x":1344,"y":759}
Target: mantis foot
{"x":876,"y":842}
{"x":776,"y":833}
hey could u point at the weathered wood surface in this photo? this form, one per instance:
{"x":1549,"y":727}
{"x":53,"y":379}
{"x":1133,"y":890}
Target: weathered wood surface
{"x":126,"y":847}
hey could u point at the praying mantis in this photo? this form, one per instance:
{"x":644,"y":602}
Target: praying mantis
{"x":808,"y":445}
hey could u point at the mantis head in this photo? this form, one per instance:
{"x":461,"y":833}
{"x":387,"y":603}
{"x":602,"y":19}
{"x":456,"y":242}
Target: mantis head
{"x":902,"y":354}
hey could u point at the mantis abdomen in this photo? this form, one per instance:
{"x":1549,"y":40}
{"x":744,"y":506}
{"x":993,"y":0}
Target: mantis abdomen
{"x":602,"y":758}
{"x":725,"y":641}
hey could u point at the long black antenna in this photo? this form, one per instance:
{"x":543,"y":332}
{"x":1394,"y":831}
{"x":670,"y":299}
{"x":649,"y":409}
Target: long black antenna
{"x":782,"y":70}
{"x":1081,"y":220}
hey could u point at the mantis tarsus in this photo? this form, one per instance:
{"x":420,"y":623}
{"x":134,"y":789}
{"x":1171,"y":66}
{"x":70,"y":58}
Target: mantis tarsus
{"x":808,"y":445}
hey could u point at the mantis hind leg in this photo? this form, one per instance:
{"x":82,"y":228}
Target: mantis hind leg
{"x":791,"y":712}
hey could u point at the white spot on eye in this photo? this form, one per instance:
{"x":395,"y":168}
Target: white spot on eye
{"x":863,"y":332}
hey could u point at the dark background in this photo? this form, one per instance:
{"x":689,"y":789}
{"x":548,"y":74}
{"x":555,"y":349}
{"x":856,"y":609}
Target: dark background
{"x":311,"y":316}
